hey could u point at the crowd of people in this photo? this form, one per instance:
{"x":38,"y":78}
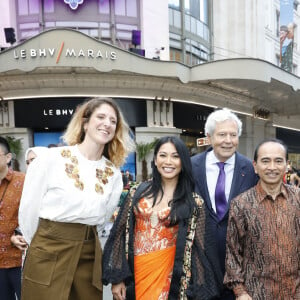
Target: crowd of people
{"x":216,"y":225}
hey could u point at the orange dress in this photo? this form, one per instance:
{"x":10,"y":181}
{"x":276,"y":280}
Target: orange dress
{"x":154,"y":252}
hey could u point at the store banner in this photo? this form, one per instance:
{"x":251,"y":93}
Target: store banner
{"x":286,"y":34}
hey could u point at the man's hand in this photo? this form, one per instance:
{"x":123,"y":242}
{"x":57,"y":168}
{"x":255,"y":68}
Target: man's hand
{"x":19,"y":242}
{"x":119,"y":291}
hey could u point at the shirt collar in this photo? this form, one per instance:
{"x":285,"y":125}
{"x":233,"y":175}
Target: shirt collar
{"x":262,"y":194}
{"x":212,"y":159}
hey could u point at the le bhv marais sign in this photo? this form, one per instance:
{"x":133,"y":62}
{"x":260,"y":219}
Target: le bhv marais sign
{"x":64,"y":51}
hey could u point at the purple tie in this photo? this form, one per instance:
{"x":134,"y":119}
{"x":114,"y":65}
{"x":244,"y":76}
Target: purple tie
{"x":220,"y":198}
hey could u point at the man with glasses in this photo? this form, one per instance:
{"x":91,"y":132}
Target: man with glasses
{"x":11,"y":185}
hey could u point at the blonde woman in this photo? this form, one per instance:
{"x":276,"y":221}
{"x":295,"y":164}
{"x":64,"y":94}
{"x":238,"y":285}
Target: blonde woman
{"x":68,"y":196}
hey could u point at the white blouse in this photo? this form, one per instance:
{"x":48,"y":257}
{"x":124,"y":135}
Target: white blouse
{"x":63,"y":186}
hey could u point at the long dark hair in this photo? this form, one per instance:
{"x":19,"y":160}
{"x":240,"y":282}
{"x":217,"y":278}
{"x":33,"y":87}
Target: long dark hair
{"x":183,"y":201}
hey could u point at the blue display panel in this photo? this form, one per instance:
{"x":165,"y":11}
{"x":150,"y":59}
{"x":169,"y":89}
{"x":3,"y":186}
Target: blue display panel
{"x":47,"y":139}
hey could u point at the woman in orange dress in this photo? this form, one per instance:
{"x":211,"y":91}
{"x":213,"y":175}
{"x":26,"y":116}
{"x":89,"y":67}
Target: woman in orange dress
{"x":157,"y":246}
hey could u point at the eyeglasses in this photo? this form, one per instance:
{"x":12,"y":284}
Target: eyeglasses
{"x":28,"y":161}
{"x":3,"y":154}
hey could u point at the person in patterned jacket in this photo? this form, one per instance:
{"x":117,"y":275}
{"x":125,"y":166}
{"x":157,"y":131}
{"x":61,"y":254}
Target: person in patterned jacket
{"x":159,"y":247}
{"x":10,"y":256}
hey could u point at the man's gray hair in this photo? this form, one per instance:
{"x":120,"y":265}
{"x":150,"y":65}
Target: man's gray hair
{"x":221,"y":115}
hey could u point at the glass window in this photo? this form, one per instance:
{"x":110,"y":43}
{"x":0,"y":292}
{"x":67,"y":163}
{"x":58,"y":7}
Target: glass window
{"x":175,"y":44}
{"x":206,"y":33}
{"x":29,"y":25}
{"x":194,"y":9}
{"x":126,"y":8}
{"x":28,"y":7}
{"x":174,"y":4}
{"x":105,"y":33}
{"x":124,"y":35}
{"x":120,"y":7}
{"x":105,"y":25}
{"x":28,"y":34}
{"x":23,"y":7}
{"x":204,"y":11}
{"x":34,"y":7}
{"x":187,"y":6}
{"x":104,"y":6}
{"x":193,"y":26}
{"x":131,"y":8}
{"x":171,"y":21}
{"x":49,"y":6}
{"x":127,"y":27}
{"x":198,"y":9}
{"x":177,"y":19}
{"x":188,"y":23}
{"x":200,"y":29}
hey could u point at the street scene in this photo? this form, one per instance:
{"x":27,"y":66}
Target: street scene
{"x":174,"y":122}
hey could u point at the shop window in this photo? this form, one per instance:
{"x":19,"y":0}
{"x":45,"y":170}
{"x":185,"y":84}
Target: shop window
{"x":104,"y":6}
{"x":49,"y":6}
{"x":126,"y":8}
{"x":28,"y":7}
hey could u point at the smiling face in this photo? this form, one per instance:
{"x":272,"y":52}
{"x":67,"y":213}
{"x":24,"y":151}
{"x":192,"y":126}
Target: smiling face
{"x":168,"y":162}
{"x":271,"y":163}
{"x":101,"y":126}
{"x":225,"y":139}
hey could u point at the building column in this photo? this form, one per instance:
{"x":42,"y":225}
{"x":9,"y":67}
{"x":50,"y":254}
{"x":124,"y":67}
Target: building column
{"x":254,"y":131}
{"x":160,"y":123}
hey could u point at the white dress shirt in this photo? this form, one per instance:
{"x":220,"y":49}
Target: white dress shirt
{"x":51,"y":194}
{"x":212,"y":174}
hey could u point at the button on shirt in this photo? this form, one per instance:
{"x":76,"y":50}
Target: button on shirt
{"x":212,"y":173}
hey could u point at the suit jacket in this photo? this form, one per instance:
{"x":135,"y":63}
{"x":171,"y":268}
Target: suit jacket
{"x":244,"y":178}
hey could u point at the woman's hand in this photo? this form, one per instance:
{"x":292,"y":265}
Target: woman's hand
{"x":244,"y":297}
{"x":19,"y":242}
{"x":119,"y":291}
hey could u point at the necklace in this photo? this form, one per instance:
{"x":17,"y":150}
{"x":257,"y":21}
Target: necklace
{"x":72,"y":171}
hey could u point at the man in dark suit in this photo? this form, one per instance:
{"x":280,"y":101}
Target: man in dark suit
{"x":220,"y":174}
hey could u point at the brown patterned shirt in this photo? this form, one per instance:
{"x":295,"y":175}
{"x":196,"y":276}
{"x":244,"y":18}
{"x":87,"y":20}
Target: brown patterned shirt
{"x":263,"y":244}
{"x":10,"y":195}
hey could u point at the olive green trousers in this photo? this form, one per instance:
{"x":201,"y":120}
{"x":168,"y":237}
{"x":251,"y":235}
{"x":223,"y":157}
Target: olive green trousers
{"x":63,"y":262}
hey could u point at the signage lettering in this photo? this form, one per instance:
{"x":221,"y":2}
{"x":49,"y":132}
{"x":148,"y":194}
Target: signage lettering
{"x":58,"y":112}
{"x":33,"y":53}
{"x":91,"y":54}
{"x":70,"y":52}
{"x":202,"y":142}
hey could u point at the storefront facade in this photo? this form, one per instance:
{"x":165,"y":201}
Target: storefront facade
{"x":43,"y":80}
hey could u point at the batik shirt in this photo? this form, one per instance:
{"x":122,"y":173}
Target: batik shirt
{"x":263,"y":244}
{"x":10,"y":193}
